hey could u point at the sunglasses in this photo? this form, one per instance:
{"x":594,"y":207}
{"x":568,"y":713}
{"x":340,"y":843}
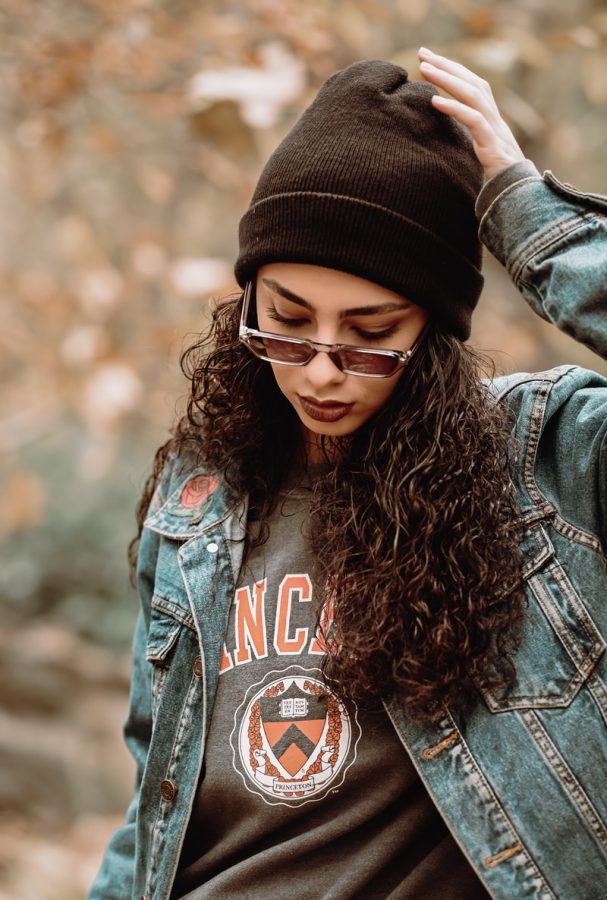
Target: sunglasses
{"x":288,"y":351}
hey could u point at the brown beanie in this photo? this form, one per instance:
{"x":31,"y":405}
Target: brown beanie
{"x":374,"y":181}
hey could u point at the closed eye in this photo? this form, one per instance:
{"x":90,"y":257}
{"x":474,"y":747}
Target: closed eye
{"x":376,"y":335}
{"x":292,"y":323}
{"x":363,"y":335}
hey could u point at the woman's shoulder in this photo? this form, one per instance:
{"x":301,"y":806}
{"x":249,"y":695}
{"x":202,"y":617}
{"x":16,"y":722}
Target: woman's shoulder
{"x":184,"y":475}
{"x":558,"y":384}
{"x":562,"y":407}
{"x":185,"y":492}
{"x":560,"y":429}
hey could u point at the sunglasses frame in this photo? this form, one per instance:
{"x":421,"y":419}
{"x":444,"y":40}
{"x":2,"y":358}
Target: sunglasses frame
{"x":245,"y":333}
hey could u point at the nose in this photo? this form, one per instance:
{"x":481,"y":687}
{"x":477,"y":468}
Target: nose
{"x":321,"y":372}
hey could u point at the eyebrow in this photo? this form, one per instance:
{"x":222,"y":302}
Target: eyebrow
{"x":370,"y":310}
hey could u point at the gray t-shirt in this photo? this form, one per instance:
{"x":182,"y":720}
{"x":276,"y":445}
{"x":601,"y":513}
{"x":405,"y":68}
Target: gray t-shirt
{"x":303,"y":795}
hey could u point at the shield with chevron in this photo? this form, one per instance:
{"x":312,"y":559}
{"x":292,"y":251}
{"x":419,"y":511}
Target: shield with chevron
{"x":293,"y":737}
{"x":293,"y":723}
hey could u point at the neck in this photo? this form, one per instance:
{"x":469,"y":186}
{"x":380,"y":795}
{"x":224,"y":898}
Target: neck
{"x":318,"y":448}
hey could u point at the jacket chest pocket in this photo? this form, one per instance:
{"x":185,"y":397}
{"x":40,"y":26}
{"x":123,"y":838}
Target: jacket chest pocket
{"x":560,"y":643}
{"x":166,"y":625}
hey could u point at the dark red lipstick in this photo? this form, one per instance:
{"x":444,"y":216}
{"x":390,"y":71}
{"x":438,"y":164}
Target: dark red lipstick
{"x":325,"y":411}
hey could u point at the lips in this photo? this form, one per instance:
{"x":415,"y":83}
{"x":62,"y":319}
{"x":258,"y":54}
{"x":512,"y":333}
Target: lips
{"x":325,"y":411}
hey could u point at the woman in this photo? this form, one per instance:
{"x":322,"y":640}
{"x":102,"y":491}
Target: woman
{"x":370,"y":659}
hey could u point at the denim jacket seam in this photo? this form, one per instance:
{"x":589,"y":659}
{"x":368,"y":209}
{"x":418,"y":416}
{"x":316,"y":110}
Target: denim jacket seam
{"x":493,"y":800}
{"x":573,"y":195}
{"x":187,"y":535}
{"x":488,"y":799}
{"x":156,"y":837}
{"x":196,"y":685}
{"x":501,"y":195}
{"x":551,"y":377}
{"x":172,"y":609}
{"x":203,"y":718}
{"x":598,"y":689}
{"x":495,"y":185}
{"x":568,"y":529}
{"x":543,"y":242}
{"x":534,"y":434}
{"x":582,"y":663}
{"x":573,"y":787}
{"x":579,"y":535}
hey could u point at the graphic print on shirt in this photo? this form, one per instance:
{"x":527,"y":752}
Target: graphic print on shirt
{"x":250,"y":630}
{"x":293,"y":739}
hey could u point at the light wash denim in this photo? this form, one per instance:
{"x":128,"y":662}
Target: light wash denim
{"x":522,"y":784}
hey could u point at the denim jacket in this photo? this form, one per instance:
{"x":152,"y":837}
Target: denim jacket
{"x":521,"y":783}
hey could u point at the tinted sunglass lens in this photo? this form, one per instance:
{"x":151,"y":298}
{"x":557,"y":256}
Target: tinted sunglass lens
{"x":368,"y":363}
{"x":279,"y":350}
{"x":287,"y":351}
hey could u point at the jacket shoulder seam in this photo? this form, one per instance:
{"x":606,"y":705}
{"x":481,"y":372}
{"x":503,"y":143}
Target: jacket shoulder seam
{"x":548,"y":376}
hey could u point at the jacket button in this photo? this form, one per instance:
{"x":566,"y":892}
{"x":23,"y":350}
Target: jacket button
{"x":168,"y":790}
{"x":212,"y":547}
{"x":197,"y":667}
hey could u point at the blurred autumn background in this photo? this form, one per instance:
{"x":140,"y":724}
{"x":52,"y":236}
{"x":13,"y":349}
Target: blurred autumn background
{"x":132,"y":134}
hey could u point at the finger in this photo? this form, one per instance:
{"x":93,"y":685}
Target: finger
{"x":472,"y":94}
{"x":455,"y":84}
{"x":480,"y":129}
{"x":450,"y":66}
{"x":495,"y":148}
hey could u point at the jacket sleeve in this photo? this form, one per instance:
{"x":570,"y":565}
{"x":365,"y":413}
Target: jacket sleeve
{"x":552,"y":239}
{"x":115,"y":878}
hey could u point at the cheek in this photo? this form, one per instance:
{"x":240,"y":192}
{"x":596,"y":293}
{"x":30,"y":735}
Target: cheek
{"x":379,"y":391}
{"x":285,"y":377}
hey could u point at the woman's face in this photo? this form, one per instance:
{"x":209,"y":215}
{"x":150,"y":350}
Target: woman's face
{"x":333,"y":307}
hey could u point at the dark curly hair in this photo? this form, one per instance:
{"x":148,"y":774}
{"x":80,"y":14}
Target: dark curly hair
{"x":415,"y":523}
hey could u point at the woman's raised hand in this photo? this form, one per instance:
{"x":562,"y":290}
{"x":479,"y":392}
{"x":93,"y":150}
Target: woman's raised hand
{"x":473,"y":105}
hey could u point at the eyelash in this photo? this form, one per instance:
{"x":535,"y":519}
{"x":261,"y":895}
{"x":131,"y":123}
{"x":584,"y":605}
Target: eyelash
{"x":365,"y":335}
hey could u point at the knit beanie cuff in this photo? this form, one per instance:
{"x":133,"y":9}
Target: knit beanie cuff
{"x":367,"y":240}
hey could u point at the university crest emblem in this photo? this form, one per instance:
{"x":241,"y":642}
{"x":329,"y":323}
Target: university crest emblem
{"x":293,"y":738}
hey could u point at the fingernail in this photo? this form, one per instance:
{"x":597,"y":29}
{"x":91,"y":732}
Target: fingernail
{"x":425,"y":51}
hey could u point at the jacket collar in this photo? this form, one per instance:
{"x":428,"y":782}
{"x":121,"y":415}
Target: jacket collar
{"x":199,"y":503}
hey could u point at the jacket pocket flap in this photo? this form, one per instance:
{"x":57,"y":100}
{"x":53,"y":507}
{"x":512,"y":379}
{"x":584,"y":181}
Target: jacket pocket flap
{"x":560,"y":643}
{"x":164,"y":631}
